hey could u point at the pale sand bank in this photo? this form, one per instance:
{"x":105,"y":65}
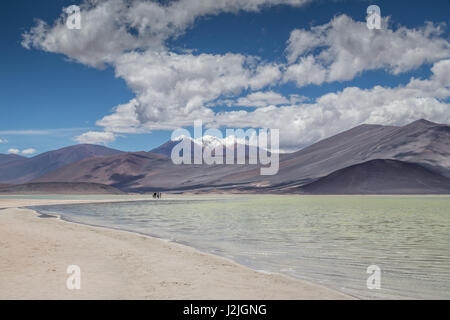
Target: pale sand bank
{"x":35,"y":253}
{"x":21,"y":202}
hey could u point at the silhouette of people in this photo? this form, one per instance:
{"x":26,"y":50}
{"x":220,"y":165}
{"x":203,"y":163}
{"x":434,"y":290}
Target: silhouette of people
{"x":157,"y":195}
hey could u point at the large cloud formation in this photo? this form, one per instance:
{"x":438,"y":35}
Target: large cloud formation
{"x":332,"y":113}
{"x":173,"y":89}
{"x":343,"y":48}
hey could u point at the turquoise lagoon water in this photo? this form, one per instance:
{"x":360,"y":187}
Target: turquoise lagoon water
{"x":330,"y":240}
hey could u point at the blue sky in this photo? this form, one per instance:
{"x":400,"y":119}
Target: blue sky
{"x":51,"y":94}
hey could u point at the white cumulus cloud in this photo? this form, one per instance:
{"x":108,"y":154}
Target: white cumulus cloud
{"x":14,"y":151}
{"x":96,"y":137}
{"x":262,"y":99}
{"x":344,"y":48}
{"x":29,"y":151}
{"x":112,"y":27}
{"x":174,"y":89}
{"x":24,"y":151}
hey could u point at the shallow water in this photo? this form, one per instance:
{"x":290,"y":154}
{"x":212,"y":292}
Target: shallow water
{"x":329,"y":240}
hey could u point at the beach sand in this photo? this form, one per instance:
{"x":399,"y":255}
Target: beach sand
{"x":35,"y":253}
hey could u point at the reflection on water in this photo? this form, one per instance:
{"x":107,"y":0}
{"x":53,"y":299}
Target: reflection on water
{"x":327,"y":239}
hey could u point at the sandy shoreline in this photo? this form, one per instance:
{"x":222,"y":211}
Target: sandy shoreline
{"x":35,"y":253}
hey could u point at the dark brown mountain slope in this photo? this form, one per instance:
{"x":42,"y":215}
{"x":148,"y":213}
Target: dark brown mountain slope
{"x":381,"y":177}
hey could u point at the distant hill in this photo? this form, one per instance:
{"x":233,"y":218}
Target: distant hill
{"x":6,"y":158}
{"x":59,"y":188}
{"x":166,"y":148}
{"x":381,"y":177}
{"x":118,"y":170}
{"x":22,"y":170}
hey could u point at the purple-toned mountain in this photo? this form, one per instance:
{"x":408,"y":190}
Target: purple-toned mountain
{"x":5,"y":158}
{"x":422,"y":142}
{"x":22,"y":170}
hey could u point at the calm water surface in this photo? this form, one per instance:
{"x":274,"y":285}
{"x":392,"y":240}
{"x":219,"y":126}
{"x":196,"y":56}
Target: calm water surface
{"x":329,"y":240}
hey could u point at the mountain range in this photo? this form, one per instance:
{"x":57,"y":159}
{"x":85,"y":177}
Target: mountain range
{"x":22,"y":170}
{"x":367,"y":159}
